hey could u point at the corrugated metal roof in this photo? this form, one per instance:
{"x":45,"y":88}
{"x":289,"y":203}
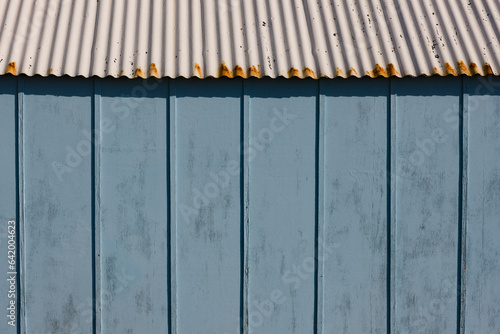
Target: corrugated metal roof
{"x":203,"y":38}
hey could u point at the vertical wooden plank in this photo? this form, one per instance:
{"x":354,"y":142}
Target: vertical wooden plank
{"x":354,"y":197}
{"x":428,"y":182}
{"x":208,"y":213}
{"x":8,"y":204}
{"x":482,"y":265}
{"x":58,"y":205}
{"x":282,"y":186}
{"x":133,"y":206}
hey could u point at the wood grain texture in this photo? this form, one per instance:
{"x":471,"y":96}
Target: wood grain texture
{"x":133,"y":207}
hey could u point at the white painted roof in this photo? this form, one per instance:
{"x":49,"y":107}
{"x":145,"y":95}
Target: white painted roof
{"x":214,"y":38}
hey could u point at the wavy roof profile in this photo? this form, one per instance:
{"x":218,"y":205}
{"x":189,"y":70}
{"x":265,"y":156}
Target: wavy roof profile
{"x":245,"y":38}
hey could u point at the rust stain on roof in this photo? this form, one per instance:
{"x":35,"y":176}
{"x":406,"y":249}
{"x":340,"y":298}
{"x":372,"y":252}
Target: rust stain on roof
{"x":224,"y":71}
{"x":238,"y":71}
{"x":377,"y":71}
{"x":448,"y":69}
{"x":153,"y":70}
{"x":339,"y":72}
{"x":293,"y":72}
{"x":197,"y":69}
{"x":487,"y":69}
{"x":351,"y":71}
{"x":474,"y":69}
{"x":436,"y":71}
{"x":309,"y":73}
{"x":138,"y":73}
{"x":254,"y":71}
{"x":11,"y":68}
{"x":391,"y":70}
{"x":464,"y":69}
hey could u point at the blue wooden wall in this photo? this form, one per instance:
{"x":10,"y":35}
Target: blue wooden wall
{"x":251,"y":206}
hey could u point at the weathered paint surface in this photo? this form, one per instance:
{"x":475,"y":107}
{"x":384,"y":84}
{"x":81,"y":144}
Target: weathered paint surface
{"x":207,"y":205}
{"x":482,"y":267}
{"x":281,"y":205}
{"x":8,"y":192}
{"x":58,"y":248}
{"x":258,"y":206}
{"x":133,"y":207}
{"x":353,"y":200}
{"x":426,"y":203}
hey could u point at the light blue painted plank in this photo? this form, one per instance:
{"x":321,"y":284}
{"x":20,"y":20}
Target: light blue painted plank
{"x":133,"y":206}
{"x":282,"y":209}
{"x":427,"y":198}
{"x":58,"y":205}
{"x":208,"y":213}
{"x":8,"y":200}
{"x":482,"y":265}
{"x":354,"y":200}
